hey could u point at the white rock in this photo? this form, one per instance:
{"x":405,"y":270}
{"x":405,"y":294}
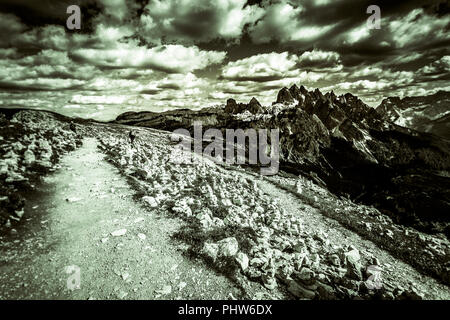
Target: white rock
{"x":29,"y":157}
{"x":151,"y":201}
{"x":242,"y":259}
{"x":122,"y":294}
{"x":167,"y":289}
{"x":19,"y":213}
{"x":353,"y":256}
{"x":142,"y":236}
{"x":211,"y":250}
{"x":226,"y":202}
{"x":125,"y":276}
{"x":181,"y":285}
{"x":119,"y":233}
{"x":299,"y":187}
{"x":238,"y":201}
{"x":228,"y":247}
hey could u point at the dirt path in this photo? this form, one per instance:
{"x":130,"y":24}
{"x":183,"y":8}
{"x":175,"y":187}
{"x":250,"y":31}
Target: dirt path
{"x":70,"y":222}
{"x":396,"y":273}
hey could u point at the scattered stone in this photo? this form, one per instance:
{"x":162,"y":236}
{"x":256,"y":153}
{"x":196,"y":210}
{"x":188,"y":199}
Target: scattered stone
{"x":411,"y":294}
{"x":299,"y":188}
{"x":243,"y":261}
{"x":269,"y":282}
{"x":305,"y":275}
{"x":299,"y":291}
{"x":142,"y":236}
{"x":210,"y":250}
{"x":151,"y":201}
{"x":181,"y":285}
{"x":353,"y":256}
{"x":140,"y":219}
{"x":119,"y":233}
{"x":325,"y":291}
{"x":353,"y":264}
{"x":228,"y":247}
{"x":167,"y":289}
{"x":335,"y":260}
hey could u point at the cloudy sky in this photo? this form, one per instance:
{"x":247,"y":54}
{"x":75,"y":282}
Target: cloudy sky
{"x":163,"y":54}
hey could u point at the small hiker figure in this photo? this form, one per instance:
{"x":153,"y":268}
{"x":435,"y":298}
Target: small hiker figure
{"x":73,"y":127}
{"x":132,"y":136}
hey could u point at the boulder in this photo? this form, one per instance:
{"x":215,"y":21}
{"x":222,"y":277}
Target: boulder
{"x":28,"y":157}
{"x":210,"y":250}
{"x":151,"y":201}
{"x":242,"y":260}
{"x":228,"y":247}
{"x":299,"y":291}
{"x":353,"y":264}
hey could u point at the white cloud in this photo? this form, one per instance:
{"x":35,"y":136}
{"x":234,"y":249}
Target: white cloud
{"x":170,"y":58}
{"x":321,"y":59}
{"x":261,"y":66}
{"x":104,"y":99}
{"x":181,"y":81}
{"x":357,"y":34}
{"x":417,"y":28}
{"x":440,"y":66}
{"x":282,"y":22}
{"x":116,"y":8}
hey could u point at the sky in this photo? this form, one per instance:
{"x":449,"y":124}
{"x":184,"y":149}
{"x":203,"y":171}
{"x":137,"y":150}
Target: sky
{"x":151,"y":55}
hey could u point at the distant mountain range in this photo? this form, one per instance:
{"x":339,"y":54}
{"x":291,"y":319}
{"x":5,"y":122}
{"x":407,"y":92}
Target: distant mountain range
{"x":340,"y":142}
{"x":423,"y":113}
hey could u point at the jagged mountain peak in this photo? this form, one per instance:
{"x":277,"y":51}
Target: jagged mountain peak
{"x":284,"y":96}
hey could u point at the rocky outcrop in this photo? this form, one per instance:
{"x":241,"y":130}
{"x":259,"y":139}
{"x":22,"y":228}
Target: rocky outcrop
{"x":254,"y":106}
{"x":423,"y":113}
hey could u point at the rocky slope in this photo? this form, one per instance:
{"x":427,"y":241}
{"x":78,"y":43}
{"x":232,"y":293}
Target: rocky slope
{"x":423,"y":113}
{"x":31,"y":144}
{"x":343,"y":144}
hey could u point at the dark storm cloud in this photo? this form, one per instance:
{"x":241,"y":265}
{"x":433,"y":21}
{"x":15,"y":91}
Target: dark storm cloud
{"x":196,"y":21}
{"x":47,"y":12}
{"x":334,"y":26}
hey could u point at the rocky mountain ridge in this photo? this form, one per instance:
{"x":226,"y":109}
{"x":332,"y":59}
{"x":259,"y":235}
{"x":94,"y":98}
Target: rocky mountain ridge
{"x":423,"y":113}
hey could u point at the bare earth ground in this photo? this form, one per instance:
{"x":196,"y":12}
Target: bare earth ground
{"x":70,"y":222}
